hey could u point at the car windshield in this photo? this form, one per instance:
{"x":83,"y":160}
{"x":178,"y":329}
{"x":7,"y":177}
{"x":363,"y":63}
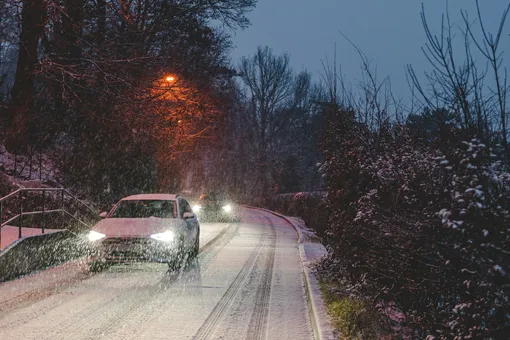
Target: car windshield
{"x":144,"y":209}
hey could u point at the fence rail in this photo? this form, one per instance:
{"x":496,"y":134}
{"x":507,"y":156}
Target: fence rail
{"x":21,"y":213}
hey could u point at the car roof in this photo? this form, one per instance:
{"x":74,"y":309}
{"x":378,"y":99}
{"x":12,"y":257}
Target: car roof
{"x":156,"y":197}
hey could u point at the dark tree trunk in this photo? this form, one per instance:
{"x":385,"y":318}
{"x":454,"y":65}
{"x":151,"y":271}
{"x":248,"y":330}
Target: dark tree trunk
{"x":72,"y":23}
{"x":69,"y":51}
{"x":101,"y":23}
{"x":21,"y":107}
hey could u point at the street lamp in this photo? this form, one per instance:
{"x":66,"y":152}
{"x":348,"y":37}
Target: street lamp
{"x":170,"y":78}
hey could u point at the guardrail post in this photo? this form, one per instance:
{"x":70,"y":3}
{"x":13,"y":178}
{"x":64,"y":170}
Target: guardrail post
{"x":43,"y":210}
{"x":40,"y":165}
{"x":20,"y":213}
{"x":62,"y":206}
{"x":31,"y":164}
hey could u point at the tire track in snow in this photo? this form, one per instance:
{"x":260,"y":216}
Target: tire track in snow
{"x":219,"y":310}
{"x":258,"y":322}
{"x":101,"y":314}
{"x":209,"y":251}
{"x":216,"y":239}
{"x":57,"y":300}
{"x":39,"y":292}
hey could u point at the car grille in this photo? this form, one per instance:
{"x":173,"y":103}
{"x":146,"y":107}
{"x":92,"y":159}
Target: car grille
{"x":125,"y":241}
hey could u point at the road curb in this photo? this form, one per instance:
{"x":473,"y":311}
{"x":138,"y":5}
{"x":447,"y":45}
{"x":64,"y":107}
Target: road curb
{"x":318,"y":316}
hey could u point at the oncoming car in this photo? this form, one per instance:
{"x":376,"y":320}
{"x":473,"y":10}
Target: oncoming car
{"x":214,"y":207}
{"x":148,"y":227}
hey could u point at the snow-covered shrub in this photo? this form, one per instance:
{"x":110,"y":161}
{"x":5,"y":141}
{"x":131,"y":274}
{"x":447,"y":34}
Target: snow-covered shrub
{"x":413,"y":228}
{"x":478,"y":253}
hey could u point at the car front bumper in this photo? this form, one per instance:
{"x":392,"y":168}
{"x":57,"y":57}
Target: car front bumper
{"x":137,"y":249}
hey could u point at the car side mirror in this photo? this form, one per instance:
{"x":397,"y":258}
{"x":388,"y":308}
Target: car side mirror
{"x":103,"y":214}
{"x":188,"y":215}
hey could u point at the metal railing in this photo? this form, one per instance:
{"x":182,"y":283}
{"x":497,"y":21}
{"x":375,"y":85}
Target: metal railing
{"x":20,"y":195}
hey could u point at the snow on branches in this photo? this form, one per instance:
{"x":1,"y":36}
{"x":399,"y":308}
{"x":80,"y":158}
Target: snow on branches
{"x":422,"y":229}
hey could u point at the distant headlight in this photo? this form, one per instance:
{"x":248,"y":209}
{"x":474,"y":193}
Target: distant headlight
{"x":95,"y":236}
{"x":167,"y":236}
{"x":196,"y":208}
{"x":227,"y":208}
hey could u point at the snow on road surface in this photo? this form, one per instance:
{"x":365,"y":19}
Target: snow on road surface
{"x":247,"y":283}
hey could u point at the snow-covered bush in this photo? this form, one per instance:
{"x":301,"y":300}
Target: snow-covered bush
{"x":478,"y":254}
{"x":413,"y":228}
{"x":310,"y":206}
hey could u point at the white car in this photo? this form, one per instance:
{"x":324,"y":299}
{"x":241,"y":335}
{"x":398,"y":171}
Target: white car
{"x":148,"y":227}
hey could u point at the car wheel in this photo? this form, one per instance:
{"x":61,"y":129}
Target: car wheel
{"x":179,"y":259}
{"x":173,"y":264}
{"x":195,"y":250}
{"x":96,"y":266}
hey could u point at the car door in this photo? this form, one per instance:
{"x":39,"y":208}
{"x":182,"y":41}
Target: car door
{"x":185,"y":207}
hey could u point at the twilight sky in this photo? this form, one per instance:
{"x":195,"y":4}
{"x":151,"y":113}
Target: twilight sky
{"x":389,"y":32}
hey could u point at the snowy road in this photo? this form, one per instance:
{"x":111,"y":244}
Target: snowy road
{"x":247,"y":283}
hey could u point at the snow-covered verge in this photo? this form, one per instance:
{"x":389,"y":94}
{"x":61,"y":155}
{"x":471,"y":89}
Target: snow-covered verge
{"x":311,"y":251}
{"x":347,"y":317}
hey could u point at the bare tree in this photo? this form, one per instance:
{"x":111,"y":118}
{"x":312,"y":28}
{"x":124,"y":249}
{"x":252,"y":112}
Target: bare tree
{"x":22,"y":94}
{"x":269,"y":83}
{"x":372,"y":98}
{"x":460,"y":85}
{"x":489,"y":47}
{"x":9,"y":36}
{"x":451,"y":83}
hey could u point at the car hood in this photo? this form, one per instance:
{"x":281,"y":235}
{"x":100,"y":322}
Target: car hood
{"x":136,"y":227}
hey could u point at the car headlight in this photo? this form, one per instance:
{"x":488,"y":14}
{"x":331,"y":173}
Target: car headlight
{"x":196,"y":208}
{"x":95,"y":236}
{"x":227,"y":208}
{"x":167,"y":236}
